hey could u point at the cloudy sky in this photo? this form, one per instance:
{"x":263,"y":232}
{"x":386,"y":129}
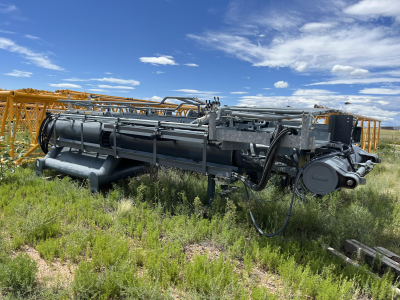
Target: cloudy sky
{"x":247,"y":52}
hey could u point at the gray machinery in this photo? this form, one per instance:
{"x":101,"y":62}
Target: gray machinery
{"x":226,"y":143}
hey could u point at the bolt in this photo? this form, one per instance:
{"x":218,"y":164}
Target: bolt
{"x":350,"y":182}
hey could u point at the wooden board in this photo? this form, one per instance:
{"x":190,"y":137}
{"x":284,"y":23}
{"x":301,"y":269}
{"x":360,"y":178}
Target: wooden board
{"x":379,"y":259}
{"x":389,"y":254}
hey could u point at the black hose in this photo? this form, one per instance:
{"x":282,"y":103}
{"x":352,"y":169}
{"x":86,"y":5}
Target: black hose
{"x":43,"y":138}
{"x":269,"y":160}
{"x":268,"y":201}
{"x":291,"y":202}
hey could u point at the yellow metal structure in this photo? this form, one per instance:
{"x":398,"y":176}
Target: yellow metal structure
{"x":26,"y":108}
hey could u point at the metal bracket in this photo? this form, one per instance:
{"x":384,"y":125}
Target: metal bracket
{"x":204,"y":165}
{"x":305,"y":132}
{"x":155,"y":150}
{"x":212,"y":126}
{"x":115,"y":140}
{"x":155,"y":136}
{"x":55,"y":132}
{"x":82,"y":143}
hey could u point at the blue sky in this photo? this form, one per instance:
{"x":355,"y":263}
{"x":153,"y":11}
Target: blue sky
{"x":270,"y":53}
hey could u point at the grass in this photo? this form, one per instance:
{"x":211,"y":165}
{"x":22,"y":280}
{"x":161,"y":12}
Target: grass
{"x":389,"y":135}
{"x":132,"y":241}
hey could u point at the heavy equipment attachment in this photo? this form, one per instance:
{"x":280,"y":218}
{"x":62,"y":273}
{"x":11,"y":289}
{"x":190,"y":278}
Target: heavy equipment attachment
{"x":227,"y":143}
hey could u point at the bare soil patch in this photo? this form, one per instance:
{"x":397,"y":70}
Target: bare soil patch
{"x":49,"y":274}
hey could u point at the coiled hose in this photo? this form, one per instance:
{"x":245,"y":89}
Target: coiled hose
{"x":43,"y":138}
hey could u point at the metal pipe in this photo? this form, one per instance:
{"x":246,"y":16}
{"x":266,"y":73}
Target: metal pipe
{"x":135,"y":121}
{"x":362,"y":169}
{"x":264,"y":116}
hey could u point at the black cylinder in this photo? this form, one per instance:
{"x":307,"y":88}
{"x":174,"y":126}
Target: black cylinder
{"x":180,"y":149}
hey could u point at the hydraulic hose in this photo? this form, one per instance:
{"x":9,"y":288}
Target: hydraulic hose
{"x":43,"y":138}
{"x":291,"y":202}
{"x":269,"y":160}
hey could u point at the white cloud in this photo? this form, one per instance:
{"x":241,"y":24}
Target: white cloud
{"x":189,"y":91}
{"x":204,"y":95}
{"x":105,"y":86}
{"x":359,"y":73}
{"x":118,"y":81}
{"x":381,"y":91}
{"x":299,"y":66}
{"x":65,"y":85}
{"x":357,"y":81}
{"x":382,"y":102}
{"x":191,"y":65}
{"x":349,"y":70}
{"x":374,"y":112}
{"x":386,"y":8}
{"x":246,"y":77}
{"x":312,"y":92}
{"x":31,"y":37}
{"x":239,"y":93}
{"x":6,"y":31}
{"x":7,"y":8}
{"x":156,"y":98}
{"x":281,"y":84}
{"x":266,"y":88}
{"x":107,"y":73}
{"x":364,"y":105}
{"x":108,"y":79}
{"x":39,"y":59}
{"x":97,"y":90}
{"x":348,"y":43}
{"x":246,"y":87}
{"x":160,"y":60}
{"x":315,"y":26}
{"x":342,"y":69}
{"x":17,"y":73}
{"x":76,"y":79}
{"x":159,"y":72}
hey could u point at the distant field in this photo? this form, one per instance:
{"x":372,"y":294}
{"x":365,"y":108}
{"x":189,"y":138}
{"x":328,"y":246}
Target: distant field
{"x":389,"y":135}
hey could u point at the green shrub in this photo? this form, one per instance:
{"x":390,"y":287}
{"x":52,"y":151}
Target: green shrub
{"x":210,"y":277}
{"x":39,"y":225}
{"x":85,"y":284}
{"x":49,"y":249}
{"x":108,"y":250}
{"x":130,"y":241}
{"x":261,"y":293}
{"x":18,"y":275}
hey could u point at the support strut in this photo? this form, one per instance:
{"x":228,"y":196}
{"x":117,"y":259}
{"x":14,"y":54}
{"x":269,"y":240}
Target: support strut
{"x":210,"y":188}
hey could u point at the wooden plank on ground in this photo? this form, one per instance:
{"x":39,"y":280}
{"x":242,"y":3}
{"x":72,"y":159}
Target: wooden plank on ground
{"x":374,"y":258}
{"x":342,"y":256}
{"x":389,"y":254}
{"x":350,"y":261}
